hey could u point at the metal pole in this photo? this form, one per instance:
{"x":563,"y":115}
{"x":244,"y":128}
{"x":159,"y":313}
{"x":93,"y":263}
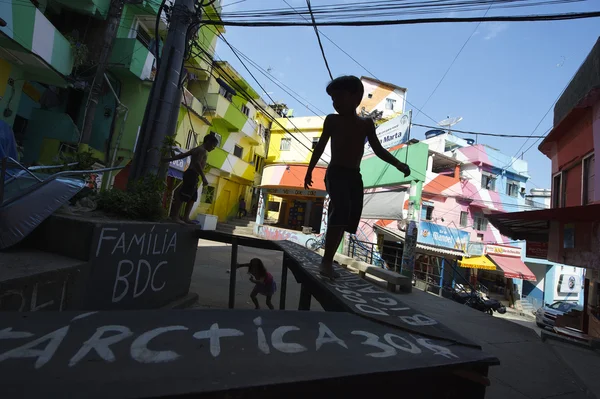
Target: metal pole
{"x":232,"y":272}
{"x":282,"y":294}
{"x":2,"y":177}
{"x":304,"y":303}
{"x":166,"y":93}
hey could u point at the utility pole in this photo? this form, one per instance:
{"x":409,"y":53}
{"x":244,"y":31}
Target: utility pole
{"x":110,"y":33}
{"x":412,"y":231}
{"x":160,"y":118}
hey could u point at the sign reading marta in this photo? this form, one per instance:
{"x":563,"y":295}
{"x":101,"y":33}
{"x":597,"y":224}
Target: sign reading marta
{"x":391,"y":133}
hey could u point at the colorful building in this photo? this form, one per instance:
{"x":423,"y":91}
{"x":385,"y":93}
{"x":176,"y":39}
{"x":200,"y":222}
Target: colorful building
{"x":287,"y":204}
{"x":568,"y":232}
{"x":386,"y":98}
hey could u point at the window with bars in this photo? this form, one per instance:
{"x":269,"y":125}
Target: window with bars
{"x":238,"y":151}
{"x":286,"y":144}
{"x":427,"y":210}
{"x":245,"y":110}
{"x":488,"y":182}
{"x":208,"y":195}
{"x":512,"y":188}
{"x":464,"y":219}
{"x":480,"y":223}
{"x":225,"y":93}
{"x":389,"y":104}
{"x":192,"y":140}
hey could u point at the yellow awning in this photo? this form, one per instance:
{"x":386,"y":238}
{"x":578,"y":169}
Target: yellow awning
{"x":477,"y":262}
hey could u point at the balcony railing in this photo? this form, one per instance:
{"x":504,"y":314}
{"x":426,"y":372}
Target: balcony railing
{"x":191,"y":102}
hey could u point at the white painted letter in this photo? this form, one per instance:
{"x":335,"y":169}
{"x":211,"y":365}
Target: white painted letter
{"x":34,"y":306}
{"x":436,"y":349}
{"x":418,"y":320}
{"x":122,"y":278}
{"x":43,"y":355}
{"x":214,"y":335}
{"x":373,"y":340}
{"x":101,"y":345}
{"x":154,"y":275}
{"x":262,"y":340}
{"x":137,"y":277}
{"x":326,"y":336}
{"x":103,"y":237}
{"x":412,"y":348}
{"x":141,"y":353}
{"x":285,"y":347}
{"x":370,"y":309}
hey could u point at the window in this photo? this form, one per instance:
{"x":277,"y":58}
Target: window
{"x":225,"y":93}
{"x":556,"y":191}
{"x":246,"y":110}
{"x":192,"y":140}
{"x":274,"y":206}
{"x":286,"y":144}
{"x":208,"y":194}
{"x":512,"y":188}
{"x":370,"y":95}
{"x":389,"y":103}
{"x":488,"y":182}
{"x":218,"y":136}
{"x":315,"y":142}
{"x":238,"y":151}
{"x":479,"y":237}
{"x":588,"y":180}
{"x":480,"y":223}
{"x":427,"y":210}
{"x":464,"y":219}
{"x":258,"y":162}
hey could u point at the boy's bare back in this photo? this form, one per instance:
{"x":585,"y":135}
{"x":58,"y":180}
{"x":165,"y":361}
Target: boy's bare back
{"x":348,"y":135}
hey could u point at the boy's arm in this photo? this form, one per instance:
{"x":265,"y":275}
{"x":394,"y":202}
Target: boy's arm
{"x":384,"y":154}
{"x":318,"y":151}
{"x":180,"y":156}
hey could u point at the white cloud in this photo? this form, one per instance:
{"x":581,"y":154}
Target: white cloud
{"x":494,"y":29}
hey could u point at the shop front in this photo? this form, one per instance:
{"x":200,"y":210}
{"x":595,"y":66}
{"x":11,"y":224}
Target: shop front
{"x":284,"y":205}
{"x":500,"y":272}
{"x":438,"y":250}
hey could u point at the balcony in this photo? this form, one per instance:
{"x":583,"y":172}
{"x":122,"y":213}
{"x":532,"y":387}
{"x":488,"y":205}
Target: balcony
{"x":192,"y":103}
{"x":32,"y":43}
{"x":130,"y":55}
{"x":229,"y":163}
{"x":222,"y":108}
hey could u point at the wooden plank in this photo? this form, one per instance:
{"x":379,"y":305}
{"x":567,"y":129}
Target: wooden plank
{"x":161,"y":353}
{"x":360,"y":297}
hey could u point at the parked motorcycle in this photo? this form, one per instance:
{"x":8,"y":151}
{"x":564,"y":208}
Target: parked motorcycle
{"x":475,"y":301}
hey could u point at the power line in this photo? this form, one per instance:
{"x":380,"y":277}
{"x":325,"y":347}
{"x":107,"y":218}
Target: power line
{"x":518,"y":18}
{"x":312,"y":16}
{"x":481,"y":133}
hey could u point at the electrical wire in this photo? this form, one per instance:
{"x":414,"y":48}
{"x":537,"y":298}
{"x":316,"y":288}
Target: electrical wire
{"x":481,"y":133}
{"x":312,"y":16}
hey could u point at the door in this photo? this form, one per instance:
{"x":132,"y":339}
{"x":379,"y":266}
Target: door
{"x":222,"y":206}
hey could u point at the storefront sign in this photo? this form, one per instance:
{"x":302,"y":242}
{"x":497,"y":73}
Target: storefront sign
{"x":475,"y":249}
{"x":391,"y":133}
{"x":179,"y":164}
{"x":537,"y":250}
{"x":503,"y":250}
{"x":569,"y":284}
{"x":442,"y":236}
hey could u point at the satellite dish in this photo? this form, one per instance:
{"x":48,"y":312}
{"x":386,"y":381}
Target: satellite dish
{"x":449,"y":122}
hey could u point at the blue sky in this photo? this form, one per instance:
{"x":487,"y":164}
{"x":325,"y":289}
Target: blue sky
{"x":504,"y":81}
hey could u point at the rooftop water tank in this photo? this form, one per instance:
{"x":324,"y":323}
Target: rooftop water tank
{"x":432,"y":133}
{"x":470,"y":141}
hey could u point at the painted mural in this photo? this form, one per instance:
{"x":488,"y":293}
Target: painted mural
{"x":278,"y":234}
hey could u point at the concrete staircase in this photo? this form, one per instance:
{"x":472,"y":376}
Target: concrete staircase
{"x":241,"y":227}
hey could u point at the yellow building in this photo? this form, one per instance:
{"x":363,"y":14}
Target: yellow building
{"x":287,"y":203}
{"x":220,"y":104}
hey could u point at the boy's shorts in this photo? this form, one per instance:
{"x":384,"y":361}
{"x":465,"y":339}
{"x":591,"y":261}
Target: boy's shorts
{"x":189,"y":187}
{"x":345,"y":189}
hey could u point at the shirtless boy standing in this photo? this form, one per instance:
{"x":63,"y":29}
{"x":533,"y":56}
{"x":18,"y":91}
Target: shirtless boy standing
{"x":343,"y":180}
{"x":188,"y":191}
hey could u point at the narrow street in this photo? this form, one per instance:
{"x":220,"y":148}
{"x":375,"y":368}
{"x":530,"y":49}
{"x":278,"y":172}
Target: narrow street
{"x":529,"y":367}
